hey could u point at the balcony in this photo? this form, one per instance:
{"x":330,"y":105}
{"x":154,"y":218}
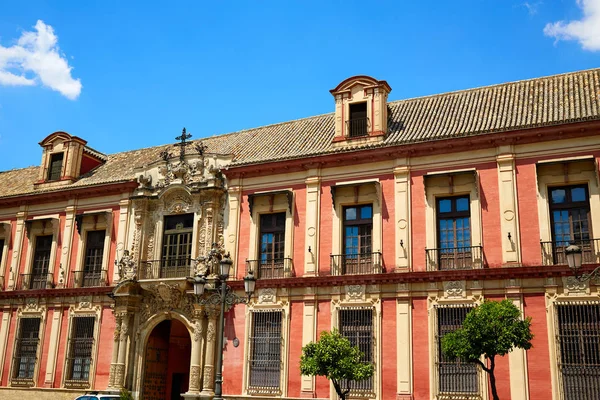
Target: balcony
{"x":271,"y":269}
{"x":35,"y":281}
{"x":88,"y":278}
{"x":357,"y":127}
{"x":355,"y":264}
{"x":176,"y":267}
{"x":553,"y":253}
{"x":454,"y":258}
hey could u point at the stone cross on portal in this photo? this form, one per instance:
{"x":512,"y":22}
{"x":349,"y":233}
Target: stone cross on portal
{"x":183,"y":139}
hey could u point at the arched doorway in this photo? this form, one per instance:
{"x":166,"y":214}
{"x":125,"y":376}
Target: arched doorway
{"x":167,"y":362}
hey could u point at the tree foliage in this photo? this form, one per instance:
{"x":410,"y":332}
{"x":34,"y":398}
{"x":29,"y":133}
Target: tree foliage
{"x":334,"y":357}
{"x":489,"y":330}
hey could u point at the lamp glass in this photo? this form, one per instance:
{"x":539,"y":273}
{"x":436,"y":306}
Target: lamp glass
{"x":574,"y":257}
{"x":198,"y":288}
{"x":225,"y":266}
{"x":249,"y":283}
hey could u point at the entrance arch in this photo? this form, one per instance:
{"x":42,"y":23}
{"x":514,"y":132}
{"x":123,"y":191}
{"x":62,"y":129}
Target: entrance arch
{"x":166,"y":361}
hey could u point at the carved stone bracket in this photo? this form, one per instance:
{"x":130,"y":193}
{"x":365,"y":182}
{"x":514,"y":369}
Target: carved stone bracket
{"x":454,"y":289}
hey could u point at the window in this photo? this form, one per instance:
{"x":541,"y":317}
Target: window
{"x":40,"y":276}
{"x":453,"y":376}
{"x":358,"y":256}
{"x":357,"y":326}
{"x":55,"y":168}
{"x":177,"y":246}
{"x":265,"y":351}
{"x":26,"y":352}
{"x":570,"y":222}
{"x":272,"y":245}
{"x":358,"y":123}
{"x":454,"y":250}
{"x":81,"y":344}
{"x":579,"y":348}
{"x":92,"y":266}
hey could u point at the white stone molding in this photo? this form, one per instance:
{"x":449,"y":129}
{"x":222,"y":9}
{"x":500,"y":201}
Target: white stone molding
{"x":455,"y":289}
{"x":232,"y":224}
{"x":309,"y":334}
{"x":4,"y":326}
{"x":67,"y":242}
{"x":509,"y":206}
{"x":517,"y":362}
{"x":15,"y":262}
{"x":355,"y":293}
{"x":313,"y":218}
{"x":5,"y":234}
{"x":404,"y":358}
{"x":122,"y":234}
{"x":402,"y":214}
{"x":94,"y":222}
{"x":53,"y":343}
{"x":40,"y":227}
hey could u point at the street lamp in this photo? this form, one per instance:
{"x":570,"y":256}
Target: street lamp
{"x":575,"y":259}
{"x":223,"y":296}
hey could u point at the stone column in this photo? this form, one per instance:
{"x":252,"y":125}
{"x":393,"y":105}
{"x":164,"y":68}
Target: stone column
{"x":115,"y":352}
{"x":122,"y":352}
{"x":208,"y":378}
{"x":196,"y":359}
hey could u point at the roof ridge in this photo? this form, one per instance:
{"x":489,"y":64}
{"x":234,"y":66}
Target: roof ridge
{"x":539,"y":78}
{"x":19,"y":169}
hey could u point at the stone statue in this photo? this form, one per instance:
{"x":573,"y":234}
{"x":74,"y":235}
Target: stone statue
{"x":127,"y":268}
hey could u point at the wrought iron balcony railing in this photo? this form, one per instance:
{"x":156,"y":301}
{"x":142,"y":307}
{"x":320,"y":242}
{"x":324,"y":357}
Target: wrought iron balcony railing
{"x":173,"y":267}
{"x":356,"y":264}
{"x":88,"y":278}
{"x":454,"y":258}
{"x":553,"y":253}
{"x":271,"y":269}
{"x":357,"y":127}
{"x":35,"y":281}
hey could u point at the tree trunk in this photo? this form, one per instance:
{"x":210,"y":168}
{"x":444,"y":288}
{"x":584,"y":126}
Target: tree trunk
{"x":493,"y":379}
{"x":338,"y":390}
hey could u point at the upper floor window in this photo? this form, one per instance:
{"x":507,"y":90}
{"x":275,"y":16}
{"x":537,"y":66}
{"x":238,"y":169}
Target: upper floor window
{"x":579,"y":347}
{"x":358,"y":256}
{"x":94,"y":252}
{"x":40,"y":275}
{"x":26,"y":352}
{"x":177,"y":246}
{"x":453,"y":377}
{"x":453,"y":220}
{"x":55,"y":167}
{"x":79,"y":356}
{"x":272,"y":246}
{"x":265,"y":351}
{"x":357,"y":326}
{"x":358,"y":121}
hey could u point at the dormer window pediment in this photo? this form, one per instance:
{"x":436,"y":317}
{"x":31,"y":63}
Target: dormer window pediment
{"x":360,"y":110}
{"x":65,"y":158}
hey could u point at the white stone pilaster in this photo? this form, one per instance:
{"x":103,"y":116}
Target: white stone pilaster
{"x":517,"y":363}
{"x":15,"y":262}
{"x":313,"y":201}
{"x":53,"y":343}
{"x":402,"y":217}
{"x":509,"y":216}
{"x":4,"y":327}
{"x":67,"y":244}
{"x":309,"y":333}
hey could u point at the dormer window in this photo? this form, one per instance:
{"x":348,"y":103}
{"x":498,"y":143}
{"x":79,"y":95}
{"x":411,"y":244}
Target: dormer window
{"x":55,"y":169}
{"x":358,"y":122}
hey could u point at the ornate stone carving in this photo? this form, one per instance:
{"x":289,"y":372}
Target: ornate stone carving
{"x":267,"y":295}
{"x":198,"y":331}
{"x":355,"y":292}
{"x":163,"y":297}
{"x":454,"y":289}
{"x":574,"y":287}
{"x":211,"y":332}
{"x":32,"y":304}
{"x":127,"y":267}
{"x":119,"y":375}
{"x":195,"y":378}
{"x":117,"y":332}
{"x":208,"y":377}
{"x":178,"y":202}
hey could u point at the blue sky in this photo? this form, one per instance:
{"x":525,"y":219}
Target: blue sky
{"x":126,"y":75}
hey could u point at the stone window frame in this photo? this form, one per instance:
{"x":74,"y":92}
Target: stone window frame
{"x":38,"y":226}
{"x":571,"y":292}
{"x":31,"y":309}
{"x":455,"y":295}
{"x":83,"y":309}
{"x":349,"y":194}
{"x":93,"y":221}
{"x":6,"y":235}
{"x":268,"y":299}
{"x":546,"y":181}
{"x":271,"y":202}
{"x":356,"y":297}
{"x":433,"y":192}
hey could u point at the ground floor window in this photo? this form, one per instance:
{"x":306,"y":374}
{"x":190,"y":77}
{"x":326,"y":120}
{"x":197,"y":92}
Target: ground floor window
{"x":579,"y":350}
{"x":26,"y":352}
{"x":81,"y":344}
{"x":265,"y":351}
{"x":357,"y":325}
{"x":453,"y":376}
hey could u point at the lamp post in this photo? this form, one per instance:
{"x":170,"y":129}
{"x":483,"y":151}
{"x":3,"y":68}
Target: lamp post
{"x":575,"y":259}
{"x":222,"y":296}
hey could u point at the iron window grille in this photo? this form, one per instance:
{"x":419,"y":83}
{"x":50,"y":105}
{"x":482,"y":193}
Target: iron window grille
{"x":358,"y":123}
{"x":41,"y":262}
{"x":272,"y":246}
{"x":55,"y":169}
{"x":578,"y":342}
{"x":26,"y":350}
{"x":177,"y":246}
{"x":79,"y":356}
{"x":356,"y":324}
{"x":265,"y":352}
{"x":94,"y":253}
{"x":454,"y":377}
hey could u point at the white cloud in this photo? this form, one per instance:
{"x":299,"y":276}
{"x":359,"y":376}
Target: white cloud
{"x":586,"y":30}
{"x":36,"y":58}
{"x":532,"y":7}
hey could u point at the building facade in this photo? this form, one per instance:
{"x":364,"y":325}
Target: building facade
{"x":386,"y":220}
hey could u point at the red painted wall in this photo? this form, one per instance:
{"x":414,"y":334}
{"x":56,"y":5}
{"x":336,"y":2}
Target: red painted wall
{"x":490,"y":214}
{"x":62,"y":348}
{"x":295,"y":349}
{"x":388,"y":349}
{"x":420,"y":349}
{"x":299,"y":249}
{"x":388,"y":222}
{"x":9,"y":347}
{"x":417,"y":198}
{"x":325,"y":228}
{"x":538,"y":357}
{"x":107,"y":330}
{"x":323,"y":324}
{"x":243,"y":236}
{"x":233,"y":357}
{"x":528,"y":212}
